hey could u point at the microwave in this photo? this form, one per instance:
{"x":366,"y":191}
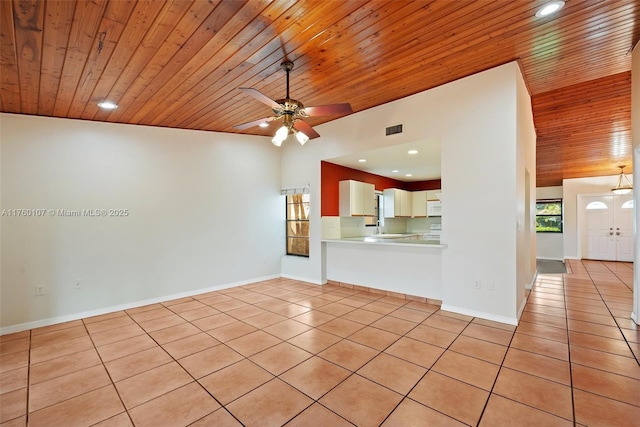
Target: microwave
{"x":434,"y":208}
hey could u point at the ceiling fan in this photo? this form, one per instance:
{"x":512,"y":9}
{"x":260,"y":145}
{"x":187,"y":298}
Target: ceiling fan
{"x":292,"y":112}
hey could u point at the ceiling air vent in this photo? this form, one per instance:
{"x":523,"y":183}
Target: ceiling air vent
{"x":392,"y":130}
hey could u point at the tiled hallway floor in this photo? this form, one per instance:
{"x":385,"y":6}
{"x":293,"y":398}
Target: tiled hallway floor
{"x":284,"y":352}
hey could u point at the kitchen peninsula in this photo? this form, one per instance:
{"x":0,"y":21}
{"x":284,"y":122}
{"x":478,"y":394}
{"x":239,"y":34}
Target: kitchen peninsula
{"x":411,"y":267}
{"x":377,"y":235}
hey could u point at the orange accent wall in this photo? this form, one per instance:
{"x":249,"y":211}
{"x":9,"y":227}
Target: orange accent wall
{"x":331,"y":174}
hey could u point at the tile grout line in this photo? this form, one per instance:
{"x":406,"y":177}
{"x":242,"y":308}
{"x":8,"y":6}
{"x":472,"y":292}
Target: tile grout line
{"x":406,"y":396}
{"x":176,"y":360}
{"x":379,"y":352}
{"x":596,"y":368}
{"x":95,"y":348}
{"x":28,"y":377}
{"x":352,"y":373}
{"x":495,"y":380}
{"x":531,"y":374}
{"x":182,"y":367}
{"x":247,"y":358}
{"x":619,"y":278}
{"x":611,"y":314}
{"x":566,"y":320}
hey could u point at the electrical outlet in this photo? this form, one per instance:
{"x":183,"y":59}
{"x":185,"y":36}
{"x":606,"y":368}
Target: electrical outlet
{"x":77,"y":284}
{"x":40,"y":290}
{"x":477,"y":284}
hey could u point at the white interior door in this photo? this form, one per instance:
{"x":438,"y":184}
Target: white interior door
{"x":608,"y":228}
{"x":599,"y":240}
{"x":623,"y":227}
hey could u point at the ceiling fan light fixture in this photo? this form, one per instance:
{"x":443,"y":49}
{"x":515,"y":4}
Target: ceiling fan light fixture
{"x":623,"y":186}
{"x":291,"y":111}
{"x":549,"y":9}
{"x":301,"y":137}
{"x":282,"y":133}
{"x":280,"y":136}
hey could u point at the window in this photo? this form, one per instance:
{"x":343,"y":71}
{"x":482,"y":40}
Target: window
{"x":596,"y":206}
{"x":298,"y":224}
{"x":377,"y":219}
{"x":549,"y":216}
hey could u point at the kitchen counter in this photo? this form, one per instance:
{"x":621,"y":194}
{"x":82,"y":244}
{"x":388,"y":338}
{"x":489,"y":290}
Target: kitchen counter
{"x":396,"y":264}
{"x":390,"y":239}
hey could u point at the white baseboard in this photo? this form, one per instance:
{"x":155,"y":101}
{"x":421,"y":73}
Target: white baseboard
{"x":487,"y":316}
{"x":635,"y":318}
{"x":551,"y":259}
{"x":105,"y":310}
{"x":521,"y":309}
{"x":573,"y":257}
{"x":529,"y":286}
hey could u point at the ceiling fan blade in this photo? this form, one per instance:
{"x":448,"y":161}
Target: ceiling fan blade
{"x":305,"y":128}
{"x":261,"y":97}
{"x":328,"y":110}
{"x":248,"y":125}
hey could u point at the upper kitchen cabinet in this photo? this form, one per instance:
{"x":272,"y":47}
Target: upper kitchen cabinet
{"x":419,"y":204}
{"x":434,"y":205}
{"x":433,"y":194}
{"x":397,"y":203}
{"x":357,"y":198}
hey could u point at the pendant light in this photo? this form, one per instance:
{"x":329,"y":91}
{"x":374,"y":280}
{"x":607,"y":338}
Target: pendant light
{"x":624,"y":186}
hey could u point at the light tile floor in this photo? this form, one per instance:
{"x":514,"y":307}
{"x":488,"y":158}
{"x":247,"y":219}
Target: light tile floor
{"x":284,"y":352}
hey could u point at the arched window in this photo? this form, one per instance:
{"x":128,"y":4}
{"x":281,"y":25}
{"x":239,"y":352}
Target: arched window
{"x":628,"y":204}
{"x":596,"y":206}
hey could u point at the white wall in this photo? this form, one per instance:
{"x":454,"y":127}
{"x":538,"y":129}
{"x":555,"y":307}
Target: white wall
{"x":205,"y":211}
{"x":475,"y":118}
{"x":525,"y":192}
{"x":549,"y":245}
{"x":635,"y":135}
{"x":571,"y":189}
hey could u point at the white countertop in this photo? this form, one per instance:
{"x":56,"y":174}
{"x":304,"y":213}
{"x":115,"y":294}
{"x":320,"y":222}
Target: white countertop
{"x":387,"y":241}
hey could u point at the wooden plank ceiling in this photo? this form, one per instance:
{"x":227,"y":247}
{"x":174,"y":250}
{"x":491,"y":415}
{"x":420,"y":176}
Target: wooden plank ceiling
{"x":179,"y":63}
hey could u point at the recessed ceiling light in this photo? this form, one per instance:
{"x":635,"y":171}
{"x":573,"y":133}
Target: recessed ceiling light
{"x":409,"y":174}
{"x":107,"y":105}
{"x":362,"y":160}
{"x":395,"y":171}
{"x":550,"y":8}
{"x":264,"y":125}
{"x":412,"y":151}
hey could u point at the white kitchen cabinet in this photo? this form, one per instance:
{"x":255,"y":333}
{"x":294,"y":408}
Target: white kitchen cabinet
{"x":397,"y":203}
{"x":419,"y":204}
{"x":370,"y":202}
{"x":434,"y":205}
{"x":433,"y":194}
{"x":356,"y":198}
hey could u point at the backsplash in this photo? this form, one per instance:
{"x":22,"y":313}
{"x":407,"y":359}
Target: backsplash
{"x":422,"y":225}
{"x":395,"y":225}
{"x":334,"y":227}
{"x":352,"y":226}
